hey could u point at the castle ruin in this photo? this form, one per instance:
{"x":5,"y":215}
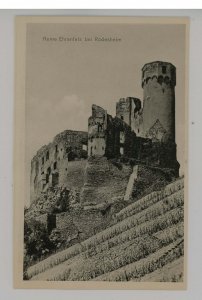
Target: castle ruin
{"x":141,"y":131}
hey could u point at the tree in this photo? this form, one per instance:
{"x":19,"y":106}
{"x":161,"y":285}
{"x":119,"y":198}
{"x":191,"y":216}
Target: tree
{"x":36,"y":241}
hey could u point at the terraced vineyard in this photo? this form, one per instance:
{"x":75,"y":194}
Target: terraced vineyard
{"x":145,"y":243}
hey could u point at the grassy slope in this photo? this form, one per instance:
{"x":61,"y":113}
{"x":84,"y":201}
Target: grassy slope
{"x":148,"y":236}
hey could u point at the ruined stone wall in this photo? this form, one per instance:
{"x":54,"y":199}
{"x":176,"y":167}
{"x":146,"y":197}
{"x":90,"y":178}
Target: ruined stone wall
{"x":49,"y":166}
{"x":97,"y":125}
{"x":110,"y":138}
{"x":129,"y":110}
{"x":116,"y":139}
{"x":97,"y":146}
{"x":107,"y":136}
{"x":124,"y":138}
{"x":123,"y":110}
{"x":136,"y":116}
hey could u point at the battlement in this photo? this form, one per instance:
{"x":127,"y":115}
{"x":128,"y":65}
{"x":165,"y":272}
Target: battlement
{"x":162,"y":72}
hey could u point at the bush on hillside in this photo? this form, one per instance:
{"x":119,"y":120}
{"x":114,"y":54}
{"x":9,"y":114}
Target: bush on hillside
{"x":36,"y":242}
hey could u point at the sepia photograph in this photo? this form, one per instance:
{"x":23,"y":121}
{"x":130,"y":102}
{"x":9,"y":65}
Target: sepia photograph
{"x":100,"y":156}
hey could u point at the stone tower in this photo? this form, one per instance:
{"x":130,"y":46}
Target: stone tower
{"x":158,"y":83}
{"x":97,"y":125}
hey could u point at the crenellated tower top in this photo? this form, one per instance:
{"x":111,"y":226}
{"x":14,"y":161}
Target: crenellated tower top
{"x":164,"y":72}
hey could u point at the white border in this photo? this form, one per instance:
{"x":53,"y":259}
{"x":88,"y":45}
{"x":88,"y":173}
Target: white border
{"x":195,"y":171}
{"x":104,"y":4}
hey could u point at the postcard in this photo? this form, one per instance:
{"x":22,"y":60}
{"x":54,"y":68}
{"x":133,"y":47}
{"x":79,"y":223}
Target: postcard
{"x":100,"y":153}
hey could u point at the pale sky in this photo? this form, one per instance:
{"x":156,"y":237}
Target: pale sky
{"x":64,"y":79}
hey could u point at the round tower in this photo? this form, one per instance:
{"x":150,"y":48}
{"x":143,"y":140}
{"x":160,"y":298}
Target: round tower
{"x":158,"y":83}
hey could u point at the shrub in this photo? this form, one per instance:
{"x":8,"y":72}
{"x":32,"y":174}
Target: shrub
{"x":36,"y":241}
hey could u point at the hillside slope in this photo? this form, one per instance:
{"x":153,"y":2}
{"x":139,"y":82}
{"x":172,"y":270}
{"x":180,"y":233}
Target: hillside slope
{"x":145,"y":243}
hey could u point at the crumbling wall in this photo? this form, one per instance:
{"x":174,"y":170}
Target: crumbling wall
{"x":123,"y":110}
{"x":124,"y":139}
{"x":97,"y":125}
{"x":49,"y":166}
{"x":136,"y":116}
{"x":130,"y":111}
{"x":107,"y":136}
